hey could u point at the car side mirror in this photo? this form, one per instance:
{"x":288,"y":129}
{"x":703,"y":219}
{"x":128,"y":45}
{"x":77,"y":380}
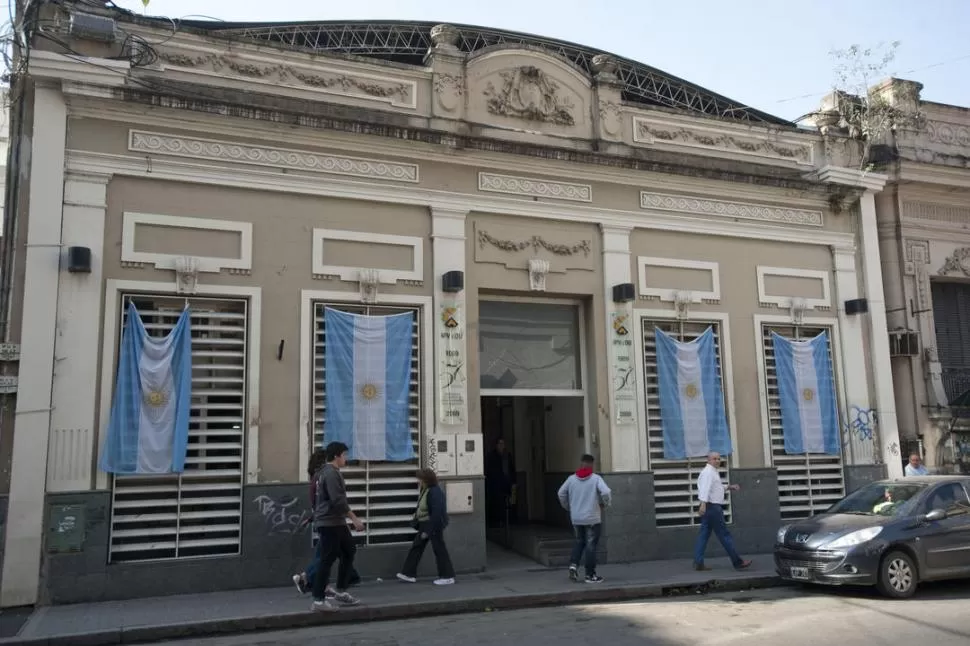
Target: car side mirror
{"x":935,"y":515}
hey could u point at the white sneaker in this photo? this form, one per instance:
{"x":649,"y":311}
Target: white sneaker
{"x":444,"y":581}
{"x":406,"y":578}
{"x":346,"y":599}
{"x":322,"y":606}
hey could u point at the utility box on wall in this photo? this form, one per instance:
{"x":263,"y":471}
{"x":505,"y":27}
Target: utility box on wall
{"x":442,"y":457}
{"x":469,"y":450}
{"x":459,"y":497}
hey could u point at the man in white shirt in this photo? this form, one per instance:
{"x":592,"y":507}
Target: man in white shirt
{"x":915,"y":466}
{"x":710,"y":491}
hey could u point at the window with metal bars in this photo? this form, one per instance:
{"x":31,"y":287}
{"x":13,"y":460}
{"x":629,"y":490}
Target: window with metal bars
{"x":675,"y":481}
{"x":810,"y":483}
{"x":381,"y":493}
{"x":951,"y":314}
{"x":196,"y":513}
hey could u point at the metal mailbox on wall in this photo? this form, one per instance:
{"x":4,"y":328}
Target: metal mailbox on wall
{"x":469,"y":450}
{"x":459,"y":497}
{"x":441,"y":455}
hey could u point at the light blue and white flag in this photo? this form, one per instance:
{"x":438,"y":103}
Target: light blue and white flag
{"x":691,"y":398}
{"x":368,"y":363}
{"x":809,"y":413}
{"x":148,"y":431}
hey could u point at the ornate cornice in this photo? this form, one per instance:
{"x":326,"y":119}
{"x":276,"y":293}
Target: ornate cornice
{"x":948,"y":213}
{"x":947,"y":133}
{"x":529,"y":94}
{"x":741,"y":210}
{"x":230,"y":151}
{"x":536,"y":243}
{"x":513,"y":185}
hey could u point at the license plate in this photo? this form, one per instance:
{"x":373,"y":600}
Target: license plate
{"x":800,"y":573}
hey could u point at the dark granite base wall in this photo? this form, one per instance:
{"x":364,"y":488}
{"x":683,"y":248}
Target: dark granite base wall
{"x":272,"y":551}
{"x":632,"y":535}
{"x":3,"y":528}
{"x":861,"y":475}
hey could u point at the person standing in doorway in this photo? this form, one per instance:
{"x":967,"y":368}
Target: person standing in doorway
{"x":499,"y":483}
{"x":430,"y":520}
{"x":584,"y":495}
{"x":330,"y":521}
{"x":915,"y":466}
{"x":711,"y":491}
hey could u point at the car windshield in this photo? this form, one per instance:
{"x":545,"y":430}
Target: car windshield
{"x":880,"y":500}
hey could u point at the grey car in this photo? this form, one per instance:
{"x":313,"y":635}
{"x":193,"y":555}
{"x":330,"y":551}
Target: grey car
{"x":893,"y":534}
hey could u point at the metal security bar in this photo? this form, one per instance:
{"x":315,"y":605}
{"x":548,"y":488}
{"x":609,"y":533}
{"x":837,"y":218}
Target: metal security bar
{"x":675,"y":481}
{"x":199,"y":512}
{"x":382,"y":493}
{"x":810,"y":483}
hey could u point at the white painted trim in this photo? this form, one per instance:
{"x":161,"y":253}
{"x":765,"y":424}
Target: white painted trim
{"x":253,"y":178}
{"x":777,"y":215}
{"x":785,"y":301}
{"x":112,"y":292}
{"x":307,"y":298}
{"x":852,"y":177}
{"x":387,"y":276}
{"x":668,"y":294}
{"x":535,"y":300}
{"x":530,"y":392}
{"x":727,"y":369}
{"x":531,"y":187}
{"x":759,"y":347}
{"x":274,"y":157}
{"x":104,"y":72}
{"x":208,"y":264}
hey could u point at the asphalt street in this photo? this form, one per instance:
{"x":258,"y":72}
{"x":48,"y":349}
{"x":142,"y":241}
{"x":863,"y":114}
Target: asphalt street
{"x":789,"y":616}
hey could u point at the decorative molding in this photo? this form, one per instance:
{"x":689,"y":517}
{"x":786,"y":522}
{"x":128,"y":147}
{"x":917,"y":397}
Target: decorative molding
{"x":825,"y":302}
{"x":675,"y":294}
{"x":948,"y":133}
{"x":611,"y":118}
{"x":322,"y":270}
{"x":205,"y":264}
{"x":512,"y":185}
{"x":538,"y":270}
{"x":529,"y":94}
{"x":395,"y":92}
{"x":303,"y":160}
{"x":957,"y":263}
{"x":957,"y":215}
{"x":449,"y":89}
{"x":744,"y":211}
{"x":654,"y":131}
{"x":536,"y":242}
{"x":916,"y":252}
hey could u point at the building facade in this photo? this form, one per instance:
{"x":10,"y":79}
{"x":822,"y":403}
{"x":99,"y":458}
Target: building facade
{"x":541,"y":208}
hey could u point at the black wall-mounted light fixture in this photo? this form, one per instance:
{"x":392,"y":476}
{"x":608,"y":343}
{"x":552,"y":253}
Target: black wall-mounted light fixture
{"x":452,"y":281}
{"x":79,"y":260}
{"x":624,"y":293}
{"x":856,"y":306}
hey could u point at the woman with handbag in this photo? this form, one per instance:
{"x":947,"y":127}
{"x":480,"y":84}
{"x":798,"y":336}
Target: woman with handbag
{"x":430,"y":520}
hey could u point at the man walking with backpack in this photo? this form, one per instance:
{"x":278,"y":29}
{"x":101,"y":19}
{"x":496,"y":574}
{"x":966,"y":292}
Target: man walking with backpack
{"x":584,"y":495}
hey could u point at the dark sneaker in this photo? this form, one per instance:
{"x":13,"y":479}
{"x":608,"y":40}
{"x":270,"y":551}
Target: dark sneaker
{"x":329,"y":593}
{"x":573,"y":573}
{"x":346,"y":599}
{"x":299,"y":580}
{"x":700,"y":567}
{"x":743,"y":565}
{"x":594,"y":578}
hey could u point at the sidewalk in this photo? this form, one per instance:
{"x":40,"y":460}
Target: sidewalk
{"x":200,"y":615}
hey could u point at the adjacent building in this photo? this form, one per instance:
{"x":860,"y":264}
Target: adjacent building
{"x":541,"y":208}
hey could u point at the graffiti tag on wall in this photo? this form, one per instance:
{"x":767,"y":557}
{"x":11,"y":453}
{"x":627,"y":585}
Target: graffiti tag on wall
{"x":283,"y":515}
{"x":862,"y":423}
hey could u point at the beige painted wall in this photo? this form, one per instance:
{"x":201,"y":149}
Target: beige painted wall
{"x":737,"y":260}
{"x":282,"y":230}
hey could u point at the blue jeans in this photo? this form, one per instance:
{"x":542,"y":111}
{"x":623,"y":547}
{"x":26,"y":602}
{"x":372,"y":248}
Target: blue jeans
{"x":587,"y":539}
{"x":713,"y":521}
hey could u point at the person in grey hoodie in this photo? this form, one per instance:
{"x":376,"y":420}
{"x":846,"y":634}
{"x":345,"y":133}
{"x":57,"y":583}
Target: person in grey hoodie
{"x":330,"y":521}
{"x":584,"y":495}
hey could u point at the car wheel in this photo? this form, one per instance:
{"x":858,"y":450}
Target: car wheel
{"x":898,"y":576}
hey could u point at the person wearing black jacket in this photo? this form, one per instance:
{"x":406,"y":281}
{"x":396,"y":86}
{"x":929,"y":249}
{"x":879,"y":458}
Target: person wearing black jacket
{"x":430,"y":520}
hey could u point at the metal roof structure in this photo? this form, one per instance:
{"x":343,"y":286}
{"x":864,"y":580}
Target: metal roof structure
{"x":408,"y":42}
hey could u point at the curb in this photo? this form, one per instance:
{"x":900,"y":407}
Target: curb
{"x":390,"y":612}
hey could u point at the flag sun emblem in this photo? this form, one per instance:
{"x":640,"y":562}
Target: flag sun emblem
{"x":156,"y":398}
{"x":691,"y":391}
{"x":808,"y":394}
{"x":368,"y":391}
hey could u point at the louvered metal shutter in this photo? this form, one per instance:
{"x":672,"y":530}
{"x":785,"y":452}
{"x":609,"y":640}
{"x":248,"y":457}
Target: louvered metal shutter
{"x":807,"y":484}
{"x":951,"y":314}
{"x":675,"y":481}
{"x":383,"y":493}
{"x":197,"y":513}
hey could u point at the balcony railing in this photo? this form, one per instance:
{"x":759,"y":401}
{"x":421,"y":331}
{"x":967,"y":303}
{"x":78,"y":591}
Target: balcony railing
{"x":956,"y":385}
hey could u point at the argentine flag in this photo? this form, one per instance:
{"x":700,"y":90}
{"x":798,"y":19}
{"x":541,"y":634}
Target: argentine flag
{"x":368,"y":364}
{"x":691,"y":399}
{"x":149,"y":427}
{"x":809,"y":413}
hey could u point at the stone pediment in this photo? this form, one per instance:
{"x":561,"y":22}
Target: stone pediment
{"x":527,"y":90}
